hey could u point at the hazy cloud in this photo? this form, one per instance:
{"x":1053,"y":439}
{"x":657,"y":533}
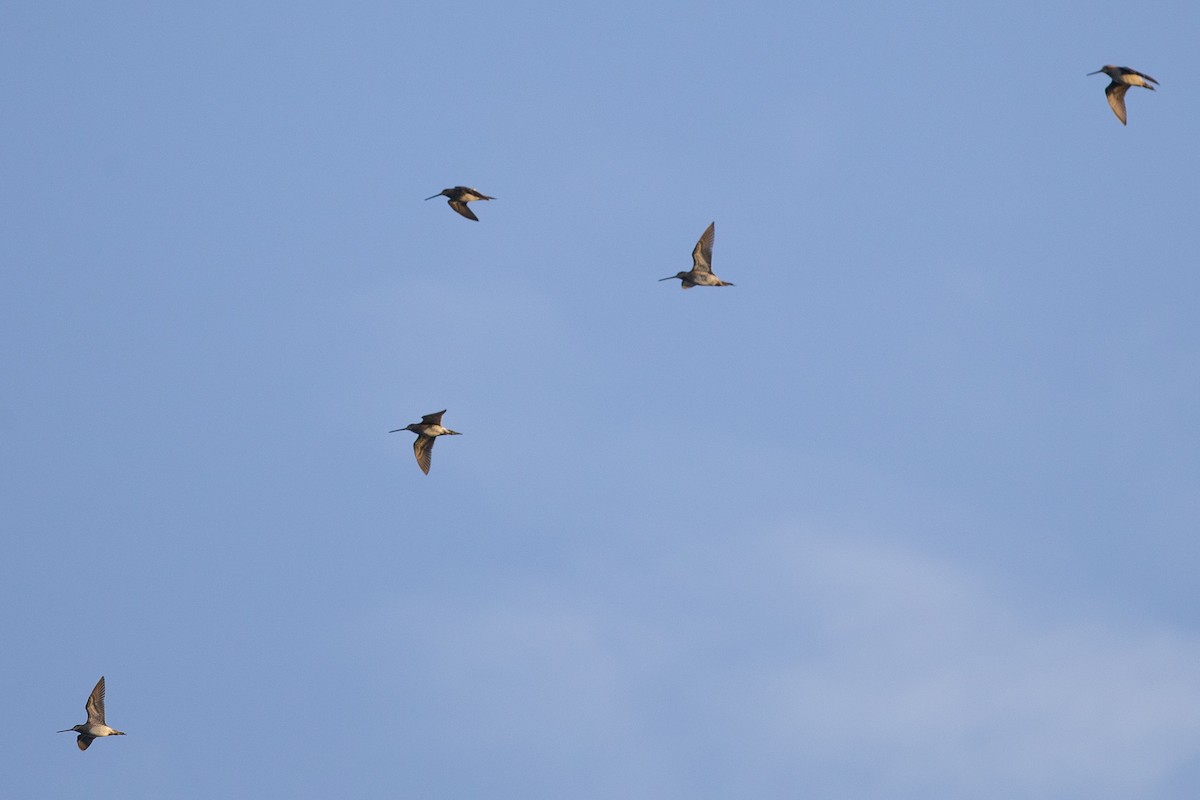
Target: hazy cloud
{"x":845,"y":666}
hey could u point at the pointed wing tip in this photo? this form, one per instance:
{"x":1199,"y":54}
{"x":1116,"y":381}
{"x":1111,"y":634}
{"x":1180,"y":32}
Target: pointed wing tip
{"x":1116,"y":99}
{"x":423,"y":450}
{"x":702,"y":252}
{"x":462,"y":209}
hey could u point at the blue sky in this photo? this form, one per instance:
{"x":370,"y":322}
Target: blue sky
{"x":910,"y":512}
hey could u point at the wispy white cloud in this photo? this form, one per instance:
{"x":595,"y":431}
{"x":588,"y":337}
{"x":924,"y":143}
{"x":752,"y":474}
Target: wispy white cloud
{"x":833,"y":663}
{"x":932,"y":681}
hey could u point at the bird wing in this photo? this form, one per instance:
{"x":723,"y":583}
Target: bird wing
{"x":702,"y":255}
{"x":83,"y":740}
{"x":1144,"y":77}
{"x":462,"y":209}
{"x":1116,"y":98}
{"x":95,"y":706}
{"x":433,"y":419}
{"x":423,"y":449}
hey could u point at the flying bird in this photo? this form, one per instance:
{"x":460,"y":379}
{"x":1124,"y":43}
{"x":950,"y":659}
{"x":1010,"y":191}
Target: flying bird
{"x":459,"y":197}
{"x":427,"y":430}
{"x":701,"y":273}
{"x":1122,"y":79}
{"x":95,"y":725}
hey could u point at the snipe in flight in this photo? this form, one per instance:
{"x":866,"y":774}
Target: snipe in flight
{"x":701,"y":273}
{"x":95,"y":725}
{"x":429,"y":428}
{"x":1122,"y":79}
{"x":459,"y":197}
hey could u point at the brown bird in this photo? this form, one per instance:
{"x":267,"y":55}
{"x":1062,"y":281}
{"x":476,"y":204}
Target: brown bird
{"x":459,"y":197}
{"x":1122,"y":79}
{"x":95,"y":725}
{"x":701,"y":273}
{"x":427,"y":430}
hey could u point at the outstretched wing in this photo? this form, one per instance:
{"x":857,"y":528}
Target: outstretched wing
{"x":434,"y":418}
{"x":83,"y":740}
{"x":423,"y":449}
{"x":1116,"y":98}
{"x":461,"y":208}
{"x":95,"y":707}
{"x":702,"y":255}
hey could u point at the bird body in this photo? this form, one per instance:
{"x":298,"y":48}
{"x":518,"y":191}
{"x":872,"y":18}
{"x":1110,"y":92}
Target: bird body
{"x":428,"y":429}
{"x":95,"y":725}
{"x":1122,"y":79}
{"x":701,"y":273}
{"x":459,"y":196}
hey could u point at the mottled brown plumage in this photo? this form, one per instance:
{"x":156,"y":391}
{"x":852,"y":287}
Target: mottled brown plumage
{"x":701,"y":273}
{"x":95,"y":725}
{"x":459,"y":197}
{"x":429,"y":428}
{"x":1122,"y":79}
